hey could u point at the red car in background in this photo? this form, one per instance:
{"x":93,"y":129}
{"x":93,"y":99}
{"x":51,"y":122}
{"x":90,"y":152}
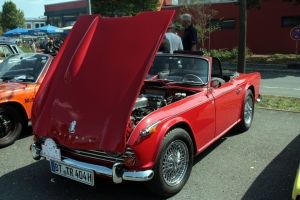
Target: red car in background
{"x":110,"y":106}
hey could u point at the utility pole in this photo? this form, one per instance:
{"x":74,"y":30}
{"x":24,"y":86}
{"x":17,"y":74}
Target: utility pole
{"x":242,"y":36}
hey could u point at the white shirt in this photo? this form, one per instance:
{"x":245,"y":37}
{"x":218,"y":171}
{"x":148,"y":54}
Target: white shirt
{"x":175,"y":41}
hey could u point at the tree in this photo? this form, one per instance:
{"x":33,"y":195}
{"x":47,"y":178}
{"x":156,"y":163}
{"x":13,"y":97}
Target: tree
{"x":11,"y":17}
{"x":201,"y":16}
{"x":123,"y":7}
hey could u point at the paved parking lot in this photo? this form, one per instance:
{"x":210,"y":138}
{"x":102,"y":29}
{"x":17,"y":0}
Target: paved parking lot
{"x":258,"y":164}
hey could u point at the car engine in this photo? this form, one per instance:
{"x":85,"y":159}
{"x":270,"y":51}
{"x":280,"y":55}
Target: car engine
{"x":149,"y":102}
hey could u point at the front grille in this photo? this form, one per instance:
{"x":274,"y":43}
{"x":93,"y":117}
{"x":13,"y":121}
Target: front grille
{"x":95,"y":154}
{"x":99,"y":155}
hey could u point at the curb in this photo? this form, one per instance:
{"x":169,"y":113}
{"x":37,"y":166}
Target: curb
{"x":262,"y":67}
{"x":274,"y":65}
{"x":276,"y":109}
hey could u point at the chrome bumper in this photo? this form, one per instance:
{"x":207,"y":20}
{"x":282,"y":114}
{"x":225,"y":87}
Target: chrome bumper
{"x":117,"y":173}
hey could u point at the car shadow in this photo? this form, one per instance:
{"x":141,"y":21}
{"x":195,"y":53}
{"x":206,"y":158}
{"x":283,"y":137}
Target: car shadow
{"x":281,"y":171}
{"x":233,"y":132}
{"x":35,"y":181}
{"x":26,"y":133}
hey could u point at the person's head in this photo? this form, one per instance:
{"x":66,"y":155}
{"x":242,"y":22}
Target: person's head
{"x":186,"y":20}
{"x":51,"y":41}
{"x":171,"y":28}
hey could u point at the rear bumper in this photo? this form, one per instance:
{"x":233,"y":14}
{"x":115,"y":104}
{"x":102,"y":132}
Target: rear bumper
{"x":117,"y":173}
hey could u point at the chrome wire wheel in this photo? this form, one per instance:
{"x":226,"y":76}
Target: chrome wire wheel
{"x":175,"y":163}
{"x":248,"y":110}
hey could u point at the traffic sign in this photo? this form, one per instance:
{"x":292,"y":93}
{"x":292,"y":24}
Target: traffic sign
{"x":295,"y":33}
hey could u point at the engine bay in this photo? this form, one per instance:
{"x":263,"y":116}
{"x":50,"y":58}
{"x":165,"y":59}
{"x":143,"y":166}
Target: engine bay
{"x":151,"y":99}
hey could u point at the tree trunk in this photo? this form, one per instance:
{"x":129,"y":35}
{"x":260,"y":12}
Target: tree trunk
{"x":242,"y":36}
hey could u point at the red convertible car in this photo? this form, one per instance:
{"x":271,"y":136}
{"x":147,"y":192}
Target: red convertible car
{"x":111,"y":106}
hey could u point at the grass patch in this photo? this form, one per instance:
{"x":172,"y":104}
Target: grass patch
{"x":280,"y":103}
{"x":26,"y":49}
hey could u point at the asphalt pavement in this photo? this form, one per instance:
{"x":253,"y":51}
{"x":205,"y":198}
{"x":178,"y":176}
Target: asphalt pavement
{"x":259,"y":164}
{"x":278,"y":80}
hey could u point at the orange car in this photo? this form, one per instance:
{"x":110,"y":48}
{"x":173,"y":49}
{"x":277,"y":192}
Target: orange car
{"x":21,"y":75}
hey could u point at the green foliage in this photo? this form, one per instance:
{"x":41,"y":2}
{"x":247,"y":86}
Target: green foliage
{"x":26,"y":48}
{"x":11,"y":17}
{"x":123,"y":7}
{"x":225,"y":54}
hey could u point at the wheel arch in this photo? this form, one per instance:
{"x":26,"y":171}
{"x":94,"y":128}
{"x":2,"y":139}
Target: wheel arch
{"x":23,"y":113}
{"x":173,"y":124}
{"x":185,"y":126}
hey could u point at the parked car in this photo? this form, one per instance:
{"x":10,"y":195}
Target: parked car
{"x":7,"y":48}
{"x":296,"y":188}
{"x":112,"y":107}
{"x":20,"y":77}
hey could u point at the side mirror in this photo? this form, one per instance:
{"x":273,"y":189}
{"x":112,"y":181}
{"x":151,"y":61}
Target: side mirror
{"x":215,"y":83}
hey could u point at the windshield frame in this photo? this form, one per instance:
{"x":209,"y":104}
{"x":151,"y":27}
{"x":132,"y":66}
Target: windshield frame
{"x":175,"y":69}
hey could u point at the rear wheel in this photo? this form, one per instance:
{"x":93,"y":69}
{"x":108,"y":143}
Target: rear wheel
{"x":10,"y":125}
{"x":174,"y":164}
{"x":248,"y":112}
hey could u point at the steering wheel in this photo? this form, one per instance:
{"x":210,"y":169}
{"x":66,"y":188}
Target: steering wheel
{"x":192,"y":75}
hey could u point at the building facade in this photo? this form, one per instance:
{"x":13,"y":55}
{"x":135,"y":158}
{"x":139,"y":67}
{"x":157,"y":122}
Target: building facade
{"x":65,"y":14}
{"x":268,"y":28}
{"x":31,"y":23}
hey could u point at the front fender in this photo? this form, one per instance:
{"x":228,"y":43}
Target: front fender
{"x":147,"y":148}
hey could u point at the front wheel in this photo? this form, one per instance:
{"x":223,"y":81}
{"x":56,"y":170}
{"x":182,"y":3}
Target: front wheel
{"x":10,"y":125}
{"x":174,"y":164}
{"x":248,"y":112}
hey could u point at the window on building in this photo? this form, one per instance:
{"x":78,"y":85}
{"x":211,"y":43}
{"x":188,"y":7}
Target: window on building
{"x":223,"y":23}
{"x":42,"y":24}
{"x":290,"y":21}
{"x":37,"y":25}
{"x":28,"y":26}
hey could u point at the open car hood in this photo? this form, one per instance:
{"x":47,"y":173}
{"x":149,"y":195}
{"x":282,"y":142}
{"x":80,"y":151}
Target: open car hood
{"x":88,"y":94}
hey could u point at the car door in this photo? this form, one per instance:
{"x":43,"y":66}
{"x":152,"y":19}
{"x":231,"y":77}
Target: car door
{"x":227,"y":103}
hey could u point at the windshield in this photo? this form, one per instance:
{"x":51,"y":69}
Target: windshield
{"x":25,"y":67}
{"x":186,"y":70}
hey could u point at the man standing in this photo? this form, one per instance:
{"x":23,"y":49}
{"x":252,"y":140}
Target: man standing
{"x":189,"y":39}
{"x":175,"y":40}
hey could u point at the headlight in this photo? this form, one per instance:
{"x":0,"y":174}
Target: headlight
{"x":149,"y":130}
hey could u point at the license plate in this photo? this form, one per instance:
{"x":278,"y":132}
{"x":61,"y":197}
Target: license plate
{"x":72,"y":172}
{"x":50,"y":150}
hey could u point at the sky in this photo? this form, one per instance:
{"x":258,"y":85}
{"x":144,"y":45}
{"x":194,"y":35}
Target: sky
{"x":32,"y":8}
